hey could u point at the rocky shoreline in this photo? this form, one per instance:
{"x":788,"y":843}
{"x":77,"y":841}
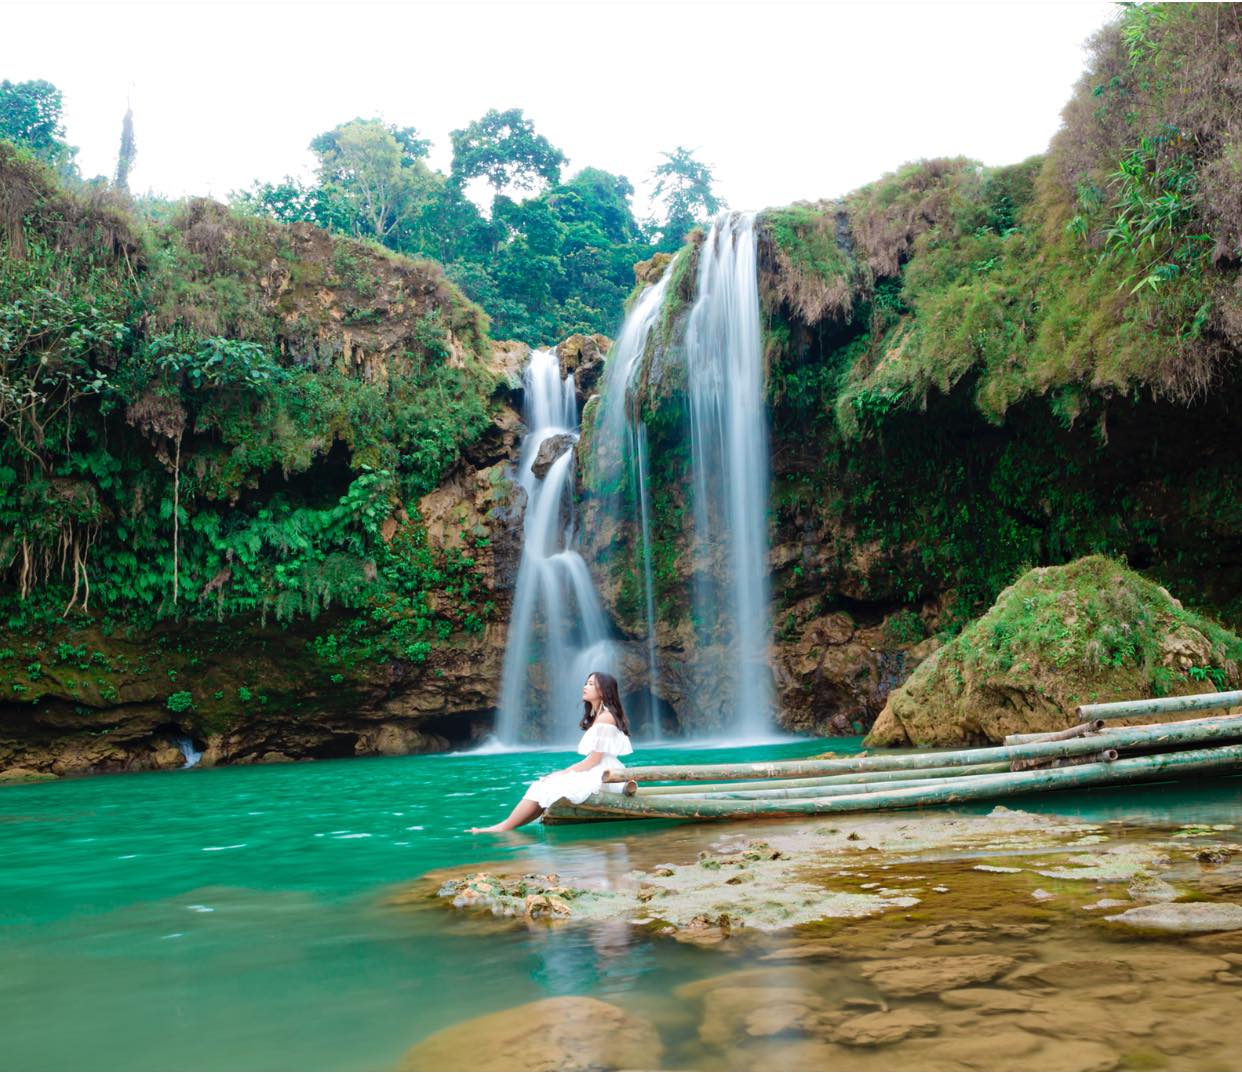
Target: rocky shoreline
{"x":1009,"y":940}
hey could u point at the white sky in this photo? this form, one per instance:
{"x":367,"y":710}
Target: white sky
{"x":784,"y":100}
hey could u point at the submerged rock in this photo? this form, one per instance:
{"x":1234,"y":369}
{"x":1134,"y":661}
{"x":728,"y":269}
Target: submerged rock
{"x":562,"y":1033}
{"x":918,"y":976}
{"x":884,"y":1027}
{"x":1182,"y":917}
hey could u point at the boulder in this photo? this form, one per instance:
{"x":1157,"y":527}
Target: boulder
{"x":549,"y":451}
{"x":582,"y":357}
{"x":561,"y":1033}
{"x":1182,"y":917}
{"x":1059,"y":636}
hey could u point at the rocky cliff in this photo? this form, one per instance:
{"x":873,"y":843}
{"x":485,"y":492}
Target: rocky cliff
{"x":974,"y":370}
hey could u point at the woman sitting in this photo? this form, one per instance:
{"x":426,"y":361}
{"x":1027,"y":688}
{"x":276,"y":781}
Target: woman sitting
{"x":606,"y":739}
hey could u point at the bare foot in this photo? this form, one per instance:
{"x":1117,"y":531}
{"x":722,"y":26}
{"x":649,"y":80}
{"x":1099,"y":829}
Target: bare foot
{"x":489,"y":828}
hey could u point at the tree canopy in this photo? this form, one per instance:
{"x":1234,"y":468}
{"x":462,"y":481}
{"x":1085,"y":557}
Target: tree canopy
{"x":504,"y":149}
{"x":30,"y":115}
{"x":684,"y":186}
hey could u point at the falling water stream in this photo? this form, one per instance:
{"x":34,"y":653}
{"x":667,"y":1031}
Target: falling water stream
{"x":558,"y":630}
{"x":729,"y":464}
{"x":557,"y":624}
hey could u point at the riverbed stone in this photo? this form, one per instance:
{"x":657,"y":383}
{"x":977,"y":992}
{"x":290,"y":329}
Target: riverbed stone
{"x":559,"y":1033}
{"x":1070,"y":973}
{"x":1182,"y":917}
{"x":767,"y":979}
{"x":918,"y":976}
{"x":884,"y":1027}
{"x":759,"y":1012}
{"x":987,"y":1000}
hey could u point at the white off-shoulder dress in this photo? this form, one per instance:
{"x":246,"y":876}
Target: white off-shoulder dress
{"x":612,"y":742}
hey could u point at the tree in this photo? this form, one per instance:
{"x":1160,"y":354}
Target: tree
{"x":377,"y":175}
{"x":504,"y":149}
{"x":684,"y":185}
{"x":128,"y":150}
{"x":30,"y":115}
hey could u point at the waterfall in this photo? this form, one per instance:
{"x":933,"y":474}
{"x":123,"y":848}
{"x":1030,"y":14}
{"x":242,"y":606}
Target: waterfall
{"x":558,"y":632}
{"x":557,"y":624}
{"x":638,"y":448}
{"x":620,"y":448}
{"x":191,"y":755}
{"x":729,"y":463}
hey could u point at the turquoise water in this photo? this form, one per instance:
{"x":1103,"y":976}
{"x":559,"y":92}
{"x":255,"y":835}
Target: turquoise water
{"x":238,"y":917}
{"x":233,"y":917}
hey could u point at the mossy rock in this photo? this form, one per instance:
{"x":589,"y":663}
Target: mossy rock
{"x":1091,"y":630}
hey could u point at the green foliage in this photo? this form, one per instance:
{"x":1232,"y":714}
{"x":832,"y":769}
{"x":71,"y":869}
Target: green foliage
{"x":503,"y":148}
{"x":139,"y":442}
{"x":685,"y":188}
{"x":1156,"y":213}
{"x":30,"y":116}
{"x":904,"y":628}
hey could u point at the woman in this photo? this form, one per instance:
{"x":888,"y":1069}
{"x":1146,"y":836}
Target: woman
{"x":606,"y":739}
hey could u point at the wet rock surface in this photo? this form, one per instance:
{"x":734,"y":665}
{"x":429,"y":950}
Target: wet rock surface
{"x":562,"y":1033}
{"x":974,"y":975}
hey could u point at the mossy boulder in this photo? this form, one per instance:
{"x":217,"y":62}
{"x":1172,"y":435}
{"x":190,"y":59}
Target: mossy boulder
{"x":1091,"y":630}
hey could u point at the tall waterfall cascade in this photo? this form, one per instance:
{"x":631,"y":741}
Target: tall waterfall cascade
{"x":558,"y":630}
{"x":558,"y":633}
{"x":729,"y":463}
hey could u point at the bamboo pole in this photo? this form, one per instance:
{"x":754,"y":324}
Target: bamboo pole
{"x":1077,"y":731}
{"x":1120,"y":710}
{"x":847,"y":779}
{"x":1216,"y":759}
{"x":1117,"y":738}
{"x":1061,"y":762}
{"x":777,"y":790}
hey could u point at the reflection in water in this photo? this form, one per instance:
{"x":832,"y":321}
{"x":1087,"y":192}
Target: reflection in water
{"x":302,"y":963}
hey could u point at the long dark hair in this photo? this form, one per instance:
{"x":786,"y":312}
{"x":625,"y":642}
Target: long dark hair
{"x":611,"y":700}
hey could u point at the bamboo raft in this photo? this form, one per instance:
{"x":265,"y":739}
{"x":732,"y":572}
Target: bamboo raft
{"x":1089,"y":754}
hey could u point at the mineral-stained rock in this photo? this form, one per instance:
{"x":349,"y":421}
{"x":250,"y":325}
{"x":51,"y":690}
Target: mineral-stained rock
{"x":561,"y":1033}
{"x":884,"y":1027}
{"x":398,"y":740}
{"x":1183,"y":917}
{"x":582,"y":357}
{"x":25,"y":775}
{"x":917,"y":976}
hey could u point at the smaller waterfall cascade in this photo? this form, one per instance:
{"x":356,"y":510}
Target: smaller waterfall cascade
{"x":621,"y":444}
{"x":558,"y":633}
{"x":729,"y":462}
{"x":191,"y":755}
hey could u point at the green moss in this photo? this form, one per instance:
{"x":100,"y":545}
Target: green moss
{"x":1089,"y":629}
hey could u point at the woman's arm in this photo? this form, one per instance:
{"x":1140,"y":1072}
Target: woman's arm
{"x":594,"y":758}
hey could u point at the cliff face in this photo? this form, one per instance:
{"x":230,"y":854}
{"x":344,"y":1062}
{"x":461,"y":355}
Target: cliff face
{"x":256,"y":481}
{"x":254,"y":486}
{"x":975,"y":370}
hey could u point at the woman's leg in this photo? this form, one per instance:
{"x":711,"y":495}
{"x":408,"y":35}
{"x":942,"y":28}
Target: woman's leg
{"x":523,"y":813}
